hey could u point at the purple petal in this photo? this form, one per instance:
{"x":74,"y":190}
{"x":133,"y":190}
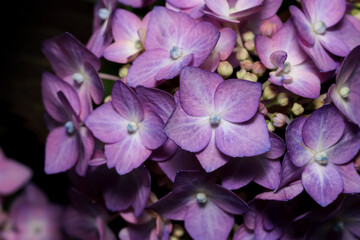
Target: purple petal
{"x":126,"y":103}
{"x":174,"y":67}
{"x":165,"y":151}
{"x":220,"y":7}
{"x":121,"y":51}
{"x":95,"y":85}
{"x":221,"y":18}
{"x":125,"y":25}
{"x":278,"y":59}
{"x":211,"y":62}
{"x":127,"y":154}
{"x":299,"y":154}
{"x":201,"y":41}
{"x":238,"y":173}
{"x":226,"y":43}
{"x":350,"y":177}
{"x":242,"y":233}
{"x":285,"y":194}
{"x":333,"y":44}
{"x":208,"y":222}
{"x":322,"y":183}
{"x":197,"y":91}
{"x":88,"y":146}
{"x":265,"y":47}
{"x":277,"y":147}
{"x":303,"y":26}
{"x":323,"y":128}
{"x":150,"y":130}
{"x":270,"y":8}
{"x":237,"y":100}
{"x":167,"y":29}
{"x":268,"y":173}
{"x":230,"y":138}
{"x":289,"y":172}
{"x":61,"y":151}
{"x":347,"y":32}
{"x":107,"y":125}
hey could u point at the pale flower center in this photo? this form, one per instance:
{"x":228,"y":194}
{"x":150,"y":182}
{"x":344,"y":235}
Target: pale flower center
{"x":287,"y":67}
{"x":103,"y":13}
{"x":214,"y":119}
{"x":138,"y":45}
{"x":132,"y":127}
{"x":319,"y":27}
{"x":175,"y":52}
{"x":70,"y":127}
{"x":344,"y":92}
{"x":321,"y":158}
{"x":201,"y":197}
{"x":78,"y":78}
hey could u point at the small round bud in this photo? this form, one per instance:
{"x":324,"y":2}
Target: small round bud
{"x":123,"y":71}
{"x":250,"y":45}
{"x":283,"y":99}
{"x":132,"y":127}
{"x":78,"y":78}
{"x":297,"y":109}
{"x":103,"y":13}
{"x":321,"y":158}
{"x":225,"y":69}
{"x":107,"y":99}
{"x":240,"y":74}
{"x":319,"y":27}
{"x":268,"y":28}
{"x":250,"y":77}
{"x":178,"y":231}
{"x":70,"y":127}
{"x":320,"y":101}
{"x":279,"y":120}
{"x":344,"y":92}
{"x":201,"y":197}
{"x":263,"y":110}
{"x":242,"y":54}
{"x":270,"y":126}
{"x":248,"y":36}
{"x":246,"y":64}
{"x":258,"y":68}
{"x":176,"y":52}
{"x":214,"y":120}
{"x":269,"y":93}
{"x":138,"y":45}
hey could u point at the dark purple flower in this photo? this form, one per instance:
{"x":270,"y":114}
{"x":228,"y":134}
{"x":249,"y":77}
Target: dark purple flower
{"x":217,"y":118}
{"x":206,"y":208}
{"x":173,"y":40}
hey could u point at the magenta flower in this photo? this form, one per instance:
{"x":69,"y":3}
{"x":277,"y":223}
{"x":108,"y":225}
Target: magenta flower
{"x":69,"y":143}
{"x":130,"y":131}
{"x":324,"y":144}
{"x":292,"y":68}
{"x":173,"y":40}
{"x":129,"y":34}
{"x":323,"y":31}
{"x":213,"y":117}
{"x":13,"y":175}
{"x":206,"y":208}
{"x":346,"y":92}
{"x":76,"y":65}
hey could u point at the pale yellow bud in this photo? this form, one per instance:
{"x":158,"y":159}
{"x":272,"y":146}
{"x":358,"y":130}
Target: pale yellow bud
{"x":270,"y":126}
{"x":250,"y":45}
{"x":242,"y":54}
{"x":107,"y":99}
{"x":178,"y":231}
{"x":250,"y":77}
{"x":269,"y":92}
{"x":258,"y":68}
{"x":320,"y":101}
{"x":297,"y":109}
{"x":248,"y":36}
{"x":246,"y":64}
{"x":240,"y":74}
{"x":124,"y":70}
{"x":225,"y":69}
{"x":283,"y":99}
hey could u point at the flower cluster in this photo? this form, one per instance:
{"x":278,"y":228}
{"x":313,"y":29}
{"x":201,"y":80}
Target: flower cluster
{"x":211,"y":96}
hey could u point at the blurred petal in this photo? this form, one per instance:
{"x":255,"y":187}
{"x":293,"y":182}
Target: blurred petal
{"x":87,"y":150}
{"x":238,"y":173}
{"x":350,"y":177}
{"x":95,"y":85}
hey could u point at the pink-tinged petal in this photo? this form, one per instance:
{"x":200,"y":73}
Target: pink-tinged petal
{"x":226,"y":43}
{"x":268,"y":173}
{"x":299,"y":154}
{"x":208,"y":222}
{"x":285,"y":194}
{"x":167,"y":29}
{"x":328,"y":12}
{"x":349,"y":69}
{"x":322,"y":183}
{"x":50,"y":86}
{"x":265,"y":47}
{"x":125,"y":25}
{"x":230,"y":140}
{"x":277,"y":147}
{"x":242,"y":14}
{"x":126,"y":103}
{"x":121,"y":51}
{"x":245,"y":4}
{"x":303,"y":26}
{"x":150,"y":130}
{"x":331,"y":42}
{"x":305,"y":80}
{"x":211,"y":62}
{"x":157,"y":100}
{"x":220,"y":7}
{"x":107,"y":125}
{"x":323,"y":128}
{"x":227,"y":200}
{"x":197,"y":91}
{"x":278,"y":59}
{"x":238,"y":173}
{"x":201,"y":41}
{"x":165,"y":151}
{"x":174,"y":67}
{"x":105,"y":233}
{"x":320,"y":56}
{"x":220,"y":18}
{"x":99,"y":40}
{"x":127,"y":154}
{"x":350,"y":177}
{"x":61,"y":151}
{"x":85,"y":102}
{"x":181,"y":160}
{"x":185,"y":3}
{"x":242,"y":233}
{"x":289,"y":172}
{"x":237,"y":100}
{"x":94,"y":83}
{"x":270,"y":8}
{"x":347,"y":147}
{"x":146,"y":66}
{"x":210,"y":157}
{"x":87,"y":150}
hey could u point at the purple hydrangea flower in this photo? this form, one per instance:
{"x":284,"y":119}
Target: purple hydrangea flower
{"x":324,"y":144}
{"x":323,"y":31}
{"x":292,"y":68}
{"x":69,"y":143}
{"x":130,"y":131}
{"x":129,"y":34}
{"x":13,"y":175}
{"x":173,"y":40}
{"x":75,"y":64}
{"x":346,"y":92}
{"x":206,"y":208}
{"x":217,"y":118}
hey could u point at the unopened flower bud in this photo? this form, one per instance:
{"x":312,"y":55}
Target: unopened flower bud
{"x":279,"y":120}
{"x":250,"y":77}
{"x":240,"y":74}
{"x":250,"y":45}
{"x":268,"y":28}
{"x":297,"y":109}
{"x":283,"y":99}
{"x":258,"y":68}
{"x":178,"y":231}
{"x":262,"y":109}
{"x":225,"y":69}
{"x":320,"y":101}
{"x":124,"y":70}
{"x":173,"y":238}
{"x":269,"y":92}
{"x":248,"y":36}
{"x":246,"y":64}
{"x":107,"y":99}
{"x":242,"y":54}
{"x":270,"y":126}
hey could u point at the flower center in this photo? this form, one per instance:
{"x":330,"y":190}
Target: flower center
{"x":321,"y":158}
{"x":232,"y":10}
{"x":138,"y":45}
{"x":214,"y":119}
{"x":338,"y":226}
{"x":201,"y":198}
{"x":132,"y":127}
{"x":103,"y":13}
{"x":344,"y":92}
{"x":78,"y":78}
{"x":70,"y":127}
{"x":175,"y":52}
{"x":319,"y":27}
{"x":287,"y":67}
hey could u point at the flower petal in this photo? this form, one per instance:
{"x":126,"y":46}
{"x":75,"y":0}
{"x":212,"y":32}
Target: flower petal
{"x":238,"y":173}
{"x":277,"y":147}
{"x":220,"y":7}
{"x":268,"y":173}
{"x":125,"y":25}
{"x":284,"y":194}
{"x":150,"y":130}
{"x":303,"y":26}
{"x":174,"y":67}
{"x":350,"y":177}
